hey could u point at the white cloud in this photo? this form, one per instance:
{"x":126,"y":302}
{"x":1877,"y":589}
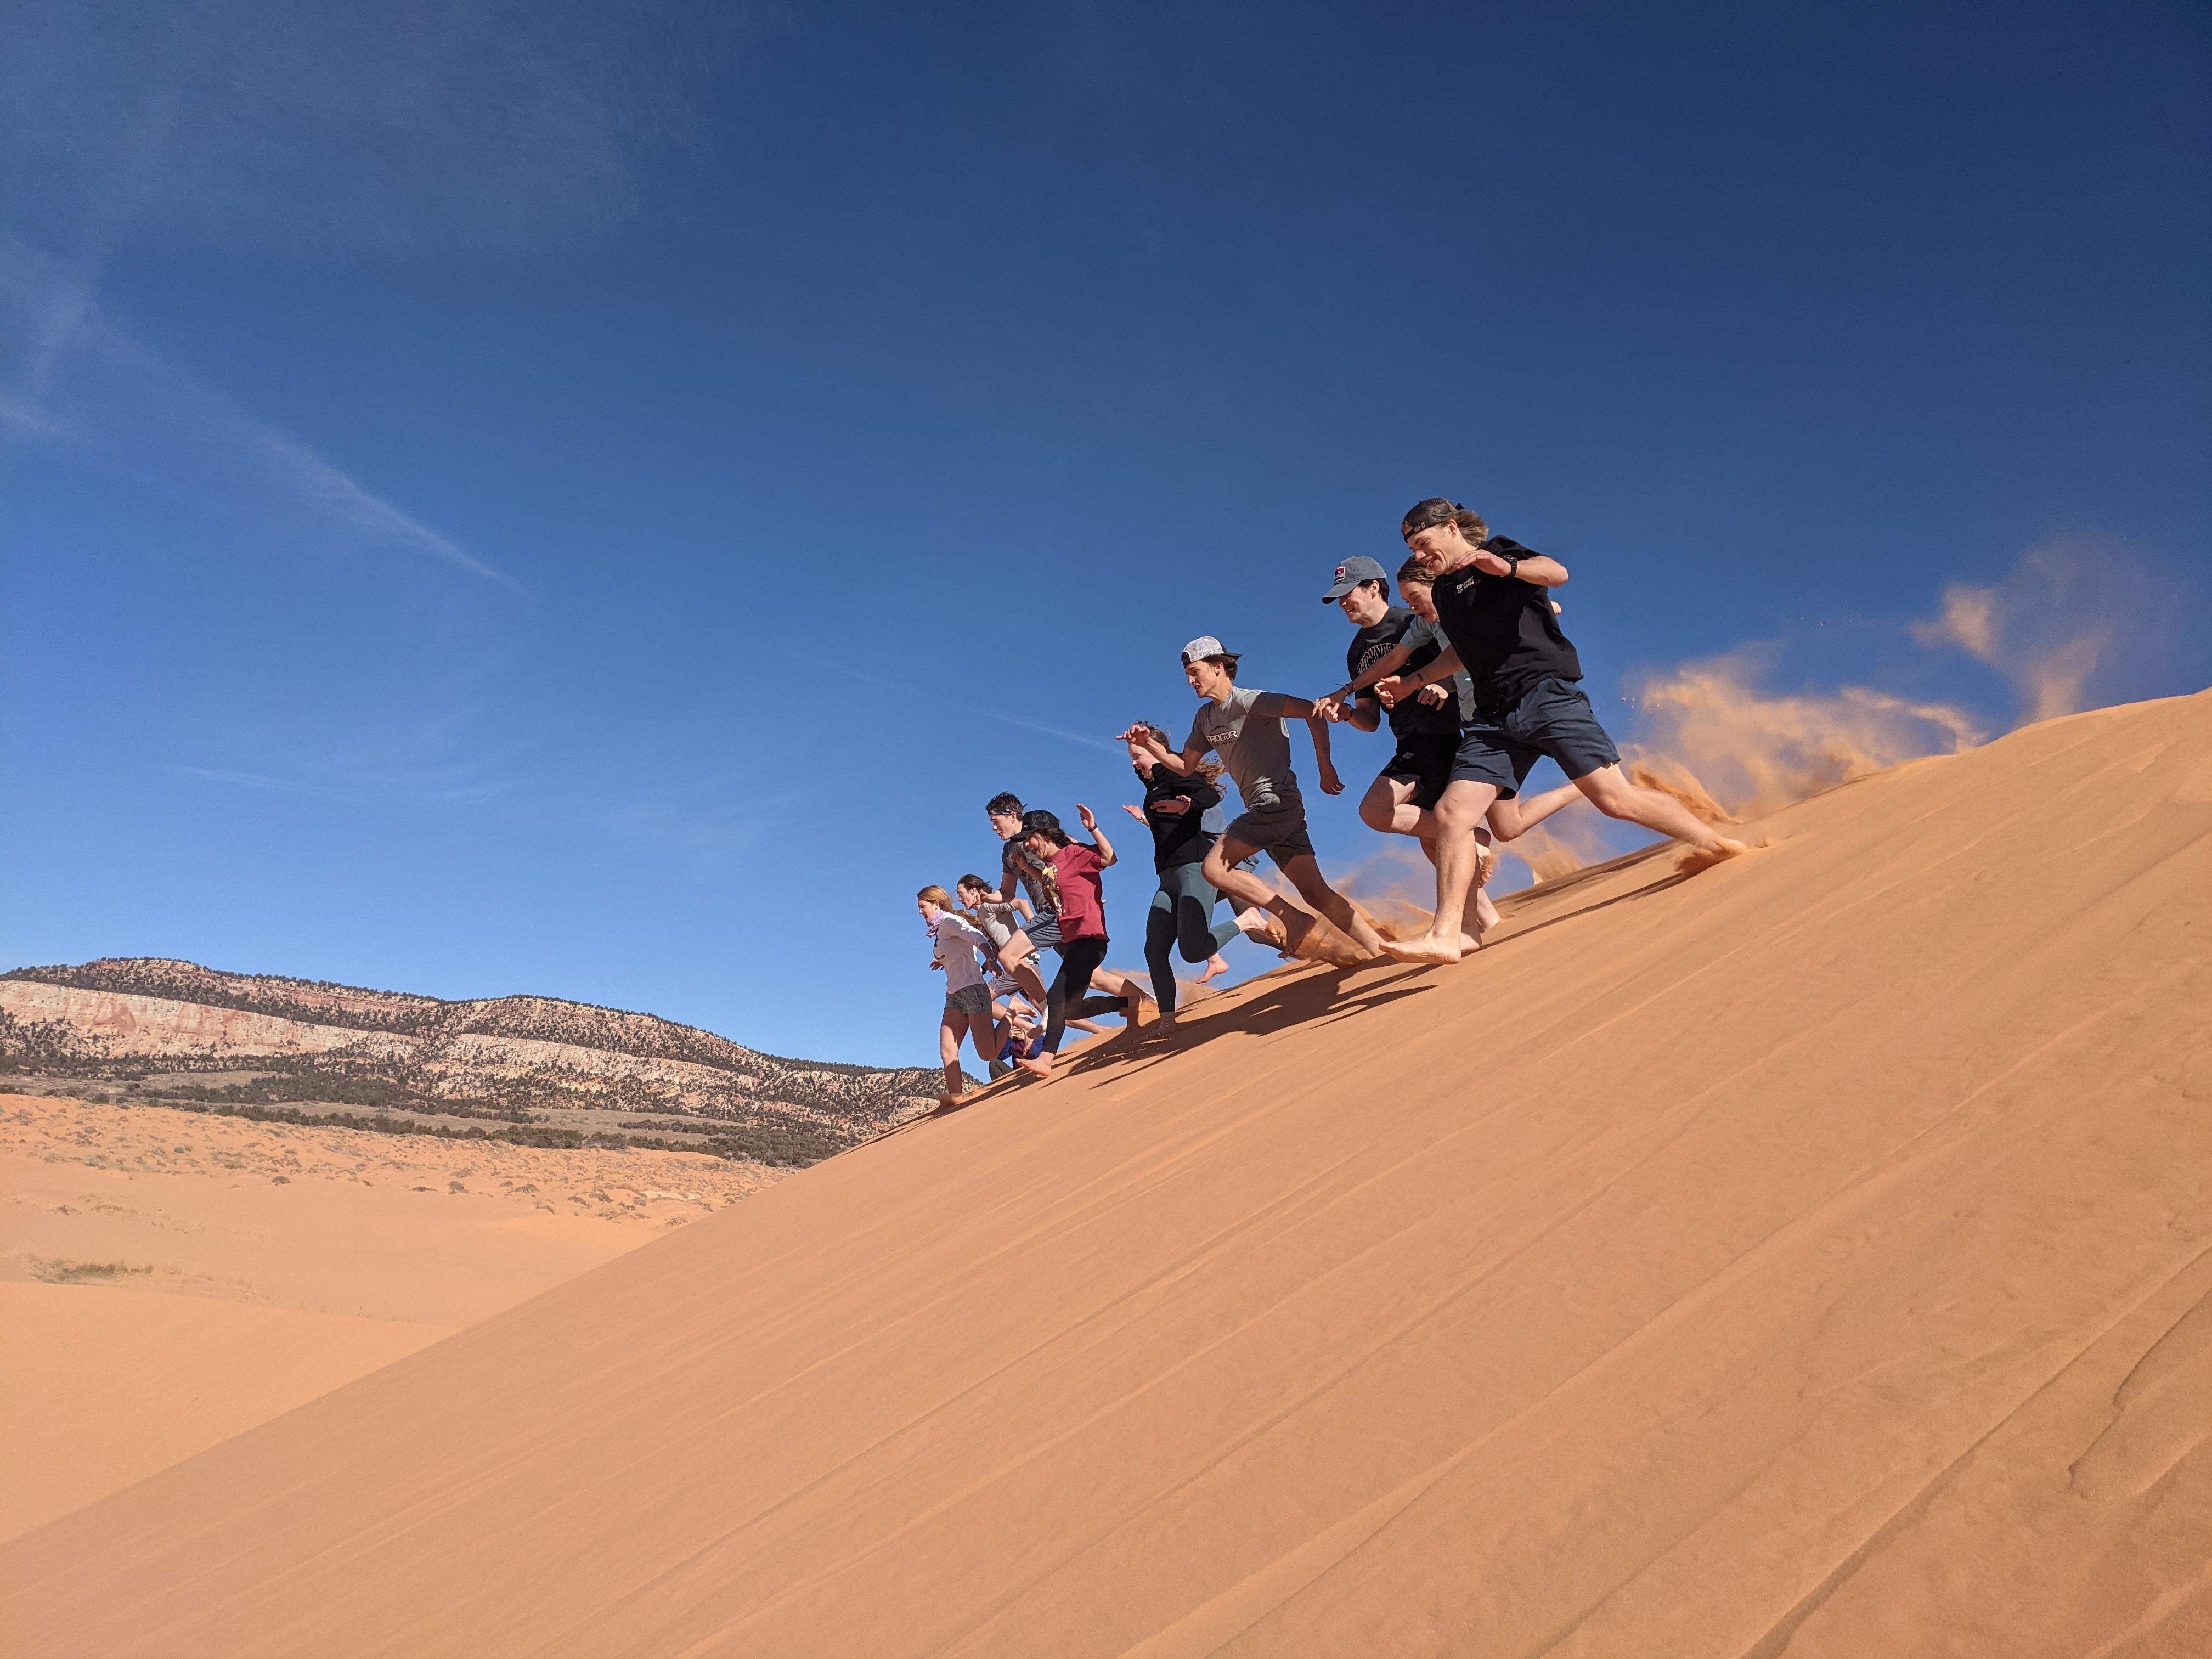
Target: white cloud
{"x":86,"y":385}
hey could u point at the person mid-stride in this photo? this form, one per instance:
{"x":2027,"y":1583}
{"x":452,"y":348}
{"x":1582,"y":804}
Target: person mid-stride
{"x":1492,"y":599}
{"x":955,"y":942}
{"x":1248,"y":730}
{"x":1181,"y":915}
{"x":1075,"y":868}
{"x":1426,"y":725}
{"x":1019,"y":870}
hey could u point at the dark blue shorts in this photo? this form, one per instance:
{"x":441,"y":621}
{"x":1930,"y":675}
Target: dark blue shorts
{"x":1043,"y":929}
{"x":1553,"y":718}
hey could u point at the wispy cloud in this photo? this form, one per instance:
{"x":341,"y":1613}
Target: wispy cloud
{"x":487,"y":124}
{"x":83,"y":382}
{"x":251,"y":780}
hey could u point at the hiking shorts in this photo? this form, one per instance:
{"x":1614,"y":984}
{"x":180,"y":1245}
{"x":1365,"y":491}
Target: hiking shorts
{"x":968,"y":999}
{"x":1553,"y":718}
{"x":1043,"y":929}
{"x":1424,"y":760}
{"x":1277,"y":831}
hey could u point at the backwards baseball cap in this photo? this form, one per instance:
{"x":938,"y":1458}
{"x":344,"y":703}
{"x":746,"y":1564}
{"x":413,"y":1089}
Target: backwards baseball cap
{"x":1207,"y":646}
{"x":1353,"y":571}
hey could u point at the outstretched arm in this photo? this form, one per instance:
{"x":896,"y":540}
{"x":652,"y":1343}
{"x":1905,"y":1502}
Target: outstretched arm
{"x":1181,"y":765}
{"x":1330,"y":783}
{"x":1536,"y":567}
{"x":1442,"y":667}
{"x":1097,"y":835}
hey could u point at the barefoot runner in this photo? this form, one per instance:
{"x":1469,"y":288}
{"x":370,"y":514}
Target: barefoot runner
{"x":1493,"y":602}
{"x":1248,"y":730}
{"x":1181,"y":917}
{"x":955,"y":942}
{"x":1426,"y":725}
{"x":1075,"y":868}
{"x":1019,"y":872}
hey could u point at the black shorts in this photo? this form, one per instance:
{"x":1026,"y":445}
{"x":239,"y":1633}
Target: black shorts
{"x":1424,"y":760}
{"x":1553,"y":718}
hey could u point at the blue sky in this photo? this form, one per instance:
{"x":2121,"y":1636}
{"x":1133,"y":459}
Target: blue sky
{"x":590,"y":499}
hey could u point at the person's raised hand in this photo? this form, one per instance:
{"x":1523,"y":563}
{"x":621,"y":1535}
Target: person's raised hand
{"x":1136,"y":813}
{"x":1083,"y":813}
{"x":1172,"y":806}
{"x":1494,"y":563}
{"x":1387,"y":692}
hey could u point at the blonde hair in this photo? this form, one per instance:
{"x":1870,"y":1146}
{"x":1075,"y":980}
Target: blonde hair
{"x":934,"y":895}
{"x":1206,"y":770}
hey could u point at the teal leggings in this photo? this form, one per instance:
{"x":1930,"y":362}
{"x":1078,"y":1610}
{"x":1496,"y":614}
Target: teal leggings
{"x":1181,"y":917}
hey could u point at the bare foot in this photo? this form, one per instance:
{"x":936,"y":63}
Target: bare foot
{"x":1215,"y":967}
{"x":1295,"y":927}
{"x":1468,"y":944}
{"x":1040,"y":1067}
{"x":1427,"y":948}
{"x":1486,"y":913}
{"x":1720,"y":848}
{"x":1486,"y":861}
{"x":1165,"y":1025}
{"x":1264,"y":926}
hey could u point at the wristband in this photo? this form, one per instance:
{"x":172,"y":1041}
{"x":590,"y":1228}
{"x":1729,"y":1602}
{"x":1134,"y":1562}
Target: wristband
{"x":1512,"y":563}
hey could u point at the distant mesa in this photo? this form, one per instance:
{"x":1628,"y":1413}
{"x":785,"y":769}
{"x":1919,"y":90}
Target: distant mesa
{"x":537,"y":1069}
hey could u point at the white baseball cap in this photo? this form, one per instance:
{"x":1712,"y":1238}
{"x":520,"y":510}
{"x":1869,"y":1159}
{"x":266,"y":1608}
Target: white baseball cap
{"x":1207,"y":646}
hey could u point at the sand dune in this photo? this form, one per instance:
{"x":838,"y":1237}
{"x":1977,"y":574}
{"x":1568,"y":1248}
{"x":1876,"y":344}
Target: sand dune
{"x":1814,"y":1257}
{"x":168,"y":1278}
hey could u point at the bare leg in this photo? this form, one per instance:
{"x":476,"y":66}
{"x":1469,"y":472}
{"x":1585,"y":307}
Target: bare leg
{"x":1115,"y":983}
{"x":1511,"y":818}
{"x":949,"y":1030}
{"x":1613,"y":794}
{"x":1460,"y":809}
{"x":1248,"y":890}
{"x":1387,"y":805}
{"x":1305,"y":876}
{"x":983,"y":1032}
{"x":1019,"y":959}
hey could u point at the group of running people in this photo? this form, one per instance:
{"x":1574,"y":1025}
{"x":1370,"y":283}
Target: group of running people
{"x":1477,"y":682}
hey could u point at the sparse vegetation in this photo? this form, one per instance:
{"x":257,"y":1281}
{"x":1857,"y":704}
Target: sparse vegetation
{"x":49,"y":1271}
{"x":420,"y":1058}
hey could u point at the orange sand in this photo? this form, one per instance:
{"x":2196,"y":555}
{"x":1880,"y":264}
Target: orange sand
{"x":1814,"y":1257}
{"x":189,"y":1293}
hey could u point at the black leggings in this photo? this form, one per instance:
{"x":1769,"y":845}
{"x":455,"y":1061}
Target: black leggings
{"x":1064,"y":1000}
{"x":1181,"y":918}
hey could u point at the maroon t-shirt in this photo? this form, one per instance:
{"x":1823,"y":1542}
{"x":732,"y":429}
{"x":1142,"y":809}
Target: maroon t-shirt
{"x":1082,"y":900}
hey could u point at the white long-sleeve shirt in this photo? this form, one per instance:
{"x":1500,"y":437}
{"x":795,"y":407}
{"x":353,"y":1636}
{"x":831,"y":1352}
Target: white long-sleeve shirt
{"x":958,"y":942}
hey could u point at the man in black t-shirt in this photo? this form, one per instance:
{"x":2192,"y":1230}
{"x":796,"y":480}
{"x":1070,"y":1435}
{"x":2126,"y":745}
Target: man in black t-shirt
{"x":1398,"y":638}
{"x":1492,"y":598}
{"x":1426,"y":725}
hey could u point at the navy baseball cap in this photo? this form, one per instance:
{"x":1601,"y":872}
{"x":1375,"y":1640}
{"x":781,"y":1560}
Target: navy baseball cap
{"x":1353,"y":571}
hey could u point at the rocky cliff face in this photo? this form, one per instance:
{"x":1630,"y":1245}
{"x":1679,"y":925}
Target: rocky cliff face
{"x":518,"y":1058}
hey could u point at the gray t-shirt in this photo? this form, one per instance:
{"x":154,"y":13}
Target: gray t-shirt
{"x":998,"y":919}
{"x":1250,"y":734}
